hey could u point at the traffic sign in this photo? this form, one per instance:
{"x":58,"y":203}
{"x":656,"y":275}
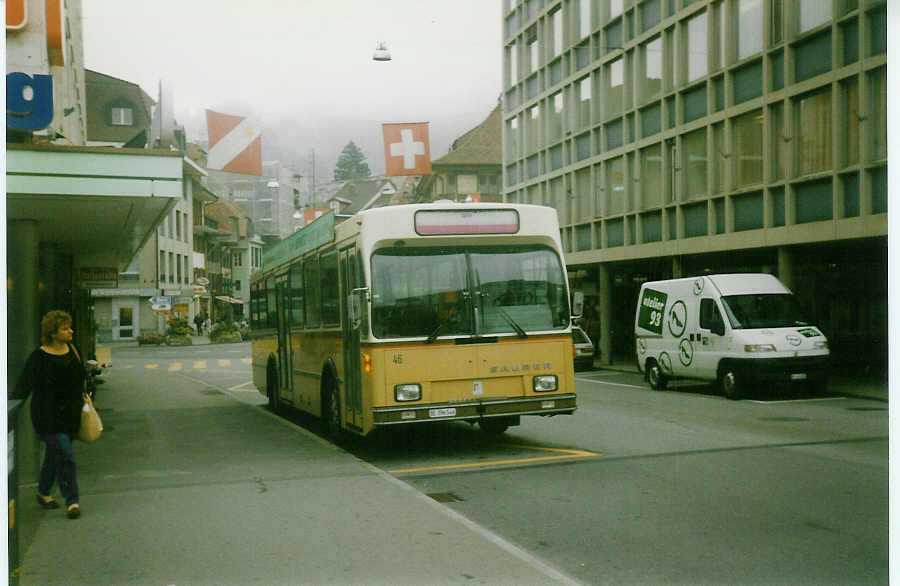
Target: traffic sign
{"x":162,"y":306}
{"x":161,"y":299}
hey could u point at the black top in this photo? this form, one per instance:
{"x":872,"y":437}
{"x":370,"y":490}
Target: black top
{"x":57,"y":383}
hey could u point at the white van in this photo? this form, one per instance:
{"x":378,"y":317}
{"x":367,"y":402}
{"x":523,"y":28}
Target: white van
{"x":737,"y":329}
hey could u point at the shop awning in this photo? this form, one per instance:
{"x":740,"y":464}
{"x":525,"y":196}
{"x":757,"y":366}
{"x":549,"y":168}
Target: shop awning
{"x":99,"y":203}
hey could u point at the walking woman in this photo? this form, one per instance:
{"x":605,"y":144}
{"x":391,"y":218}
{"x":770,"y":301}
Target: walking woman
{"x":54,"y":376}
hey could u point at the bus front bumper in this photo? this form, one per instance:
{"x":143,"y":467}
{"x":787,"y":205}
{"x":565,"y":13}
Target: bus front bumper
{"x":469,"y":410}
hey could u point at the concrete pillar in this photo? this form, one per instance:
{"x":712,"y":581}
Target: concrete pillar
{"x":676,"y":267}
{"x":23,"y":329}
{"x":604,"y":300}
{"x":786,"y":266}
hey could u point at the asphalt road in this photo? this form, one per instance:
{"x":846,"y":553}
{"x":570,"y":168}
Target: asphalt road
{"x":644,"y":487}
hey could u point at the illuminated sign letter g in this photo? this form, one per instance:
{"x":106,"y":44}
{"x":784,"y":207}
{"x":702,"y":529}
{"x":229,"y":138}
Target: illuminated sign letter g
{"x":28,"y":113}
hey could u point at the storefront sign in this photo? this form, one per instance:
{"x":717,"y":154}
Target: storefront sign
{"x":99,"y":277}
{"x":29,"y":101}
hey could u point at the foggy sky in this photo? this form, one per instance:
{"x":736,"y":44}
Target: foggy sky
{"x":304,"y":68}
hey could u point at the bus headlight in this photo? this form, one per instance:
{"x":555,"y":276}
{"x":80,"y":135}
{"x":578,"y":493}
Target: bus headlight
{"x":759,"y":348}
{"x":407,"y":392}
{"x":544,"y":383}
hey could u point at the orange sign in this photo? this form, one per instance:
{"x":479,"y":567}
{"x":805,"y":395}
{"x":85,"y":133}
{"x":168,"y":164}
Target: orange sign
{"x":235,"y":144}
{"x":406,"y":149}
{"x":56,"y":32}
{"x":16,"y":14}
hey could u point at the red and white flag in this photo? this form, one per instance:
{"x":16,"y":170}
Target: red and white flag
{"x":235,"y":144}
{"x":406,"y":149}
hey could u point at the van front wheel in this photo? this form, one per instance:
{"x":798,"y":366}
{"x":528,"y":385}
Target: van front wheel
{"x":730,"y":383}
{"x":655,"y":376}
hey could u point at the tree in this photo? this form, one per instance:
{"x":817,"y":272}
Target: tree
{"x":351,"y":164}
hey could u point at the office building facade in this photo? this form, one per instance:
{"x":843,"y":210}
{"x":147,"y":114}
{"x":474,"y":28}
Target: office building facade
{"x":682,"y":137}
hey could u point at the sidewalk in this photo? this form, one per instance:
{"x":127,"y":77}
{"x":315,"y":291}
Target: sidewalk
{"x":863,"y":387}
{"x":189,"y":485}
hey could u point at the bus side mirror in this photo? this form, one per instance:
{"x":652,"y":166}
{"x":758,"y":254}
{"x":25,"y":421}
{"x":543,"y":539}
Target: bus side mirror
{"x":355,"y":307}
{"x":577,"y":304}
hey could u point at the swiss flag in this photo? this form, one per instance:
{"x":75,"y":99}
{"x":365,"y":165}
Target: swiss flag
{"x":235,"y":144}
{"x":406,"y":150}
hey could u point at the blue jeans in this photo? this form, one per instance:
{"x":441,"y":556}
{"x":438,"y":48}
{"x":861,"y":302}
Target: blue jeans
{"x":59,"y":464}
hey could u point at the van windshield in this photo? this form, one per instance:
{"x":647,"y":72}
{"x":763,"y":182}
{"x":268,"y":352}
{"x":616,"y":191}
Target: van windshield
{"x":779,"y":310}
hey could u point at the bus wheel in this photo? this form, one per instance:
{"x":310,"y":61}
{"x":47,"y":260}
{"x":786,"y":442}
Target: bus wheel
{"x":331,"y":409}
{"x":272,"y":387}
{"x":493,"y":426}
{"x":655,"y":376}
{"x":730,"y":383}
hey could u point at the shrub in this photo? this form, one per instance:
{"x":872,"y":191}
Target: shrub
{"x":224,"y":332}
{"x":151,"y":338}
{"x":245,"y":333}
{"x":178,"y":332}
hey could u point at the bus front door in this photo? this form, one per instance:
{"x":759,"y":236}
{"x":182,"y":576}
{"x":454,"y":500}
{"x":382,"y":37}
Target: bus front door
{"x":285,"y":366}
{"x":352,"y":399}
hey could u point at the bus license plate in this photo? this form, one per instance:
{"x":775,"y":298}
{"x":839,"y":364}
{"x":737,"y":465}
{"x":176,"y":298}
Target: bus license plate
{"x":798,"y":376}
{"x":448,"y":412}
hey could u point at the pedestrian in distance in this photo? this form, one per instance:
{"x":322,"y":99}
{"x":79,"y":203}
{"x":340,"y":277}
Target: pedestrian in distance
{"x":55,"y":378}
{"x":198,"y":321}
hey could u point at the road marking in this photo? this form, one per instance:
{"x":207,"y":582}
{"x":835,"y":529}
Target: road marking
{"x":236,"y":387}
{"x":602,"y":382}
{"x":224,"y":362}
{"x":151,"y":366}
{"x":199,"y":364}
{"x":175,"y":367}
{"x":247,"y":360}
{"x":796,"y":400}
{"x":564,"y":455}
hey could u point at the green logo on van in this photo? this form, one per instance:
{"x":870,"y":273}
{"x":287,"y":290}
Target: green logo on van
{"x":652,"y":310}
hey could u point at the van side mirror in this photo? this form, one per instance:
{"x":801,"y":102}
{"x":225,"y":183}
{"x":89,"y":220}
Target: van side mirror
{"x":718,"y":328}
{"x":577,"y":304}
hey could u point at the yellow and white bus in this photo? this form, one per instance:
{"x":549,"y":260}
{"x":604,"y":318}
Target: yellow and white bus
{"x":417,"y":313}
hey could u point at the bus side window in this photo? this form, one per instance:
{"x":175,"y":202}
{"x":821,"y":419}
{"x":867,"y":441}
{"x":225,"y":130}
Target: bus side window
{"x":296,"y":287}
{"x":710,"y":318}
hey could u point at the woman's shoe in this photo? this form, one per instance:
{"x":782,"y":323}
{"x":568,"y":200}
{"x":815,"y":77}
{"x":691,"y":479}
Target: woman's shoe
{"x":47,"y":502}
{"x":73,"y":511}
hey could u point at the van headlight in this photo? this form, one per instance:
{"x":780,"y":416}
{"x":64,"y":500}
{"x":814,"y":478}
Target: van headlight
{"x":821,"y":345}
{"x":407,"y":392}
{"x":545,"y":383}
{"x":759,"y":348}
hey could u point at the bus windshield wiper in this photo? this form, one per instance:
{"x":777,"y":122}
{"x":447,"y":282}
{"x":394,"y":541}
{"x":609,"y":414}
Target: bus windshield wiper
{"x":521,"y":332}
{"x":434,"y":333}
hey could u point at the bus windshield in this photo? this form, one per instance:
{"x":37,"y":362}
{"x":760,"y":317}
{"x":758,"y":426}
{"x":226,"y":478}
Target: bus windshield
{"x":455,"y":291}
{"x":777,"y":310}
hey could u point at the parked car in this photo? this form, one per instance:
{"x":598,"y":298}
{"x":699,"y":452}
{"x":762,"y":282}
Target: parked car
{"x":584,"y":349}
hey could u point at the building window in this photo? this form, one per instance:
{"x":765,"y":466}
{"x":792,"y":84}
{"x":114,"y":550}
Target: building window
{"x":121,"y":116}
{"x":177,"y":224}
{"x":584,"y":18}
{"x":584,"y":103}
{"x":850,"y":115}
{"x":748,"y":143}
{"x":239,"y":258}
{"x":877,"y":114}
{"x":813,"y":201}
{"x":813,"y":130}
{"x":513,"y":68}
{"x":237,"y":284}
{"x":614,"y":134}
{"x":162,"y":266}
{"x":615,"y":8}
{"x":615,"y":186}
{"x":171,"y":267}
{"x":651,"y":176}
{"x":749,"y":28}
{"x":512,"y":139}
{"x":615,"y":86}
{"x":556,"y":117}
{"x":812,"y":13}
{"x":813,"y":56}
{"x":748,"y":211}
{"x":651,"y":75}
{"x":697,"y":47}
{"x":776,"y":117}
{"x":187,"y":272}
{"x":693,"y":146}
{"x":650,"y":14}
{"x":696,"y":220}
{"x":531,"y":45}
{"x":557,"y":32}
{"x":534,"y":119}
